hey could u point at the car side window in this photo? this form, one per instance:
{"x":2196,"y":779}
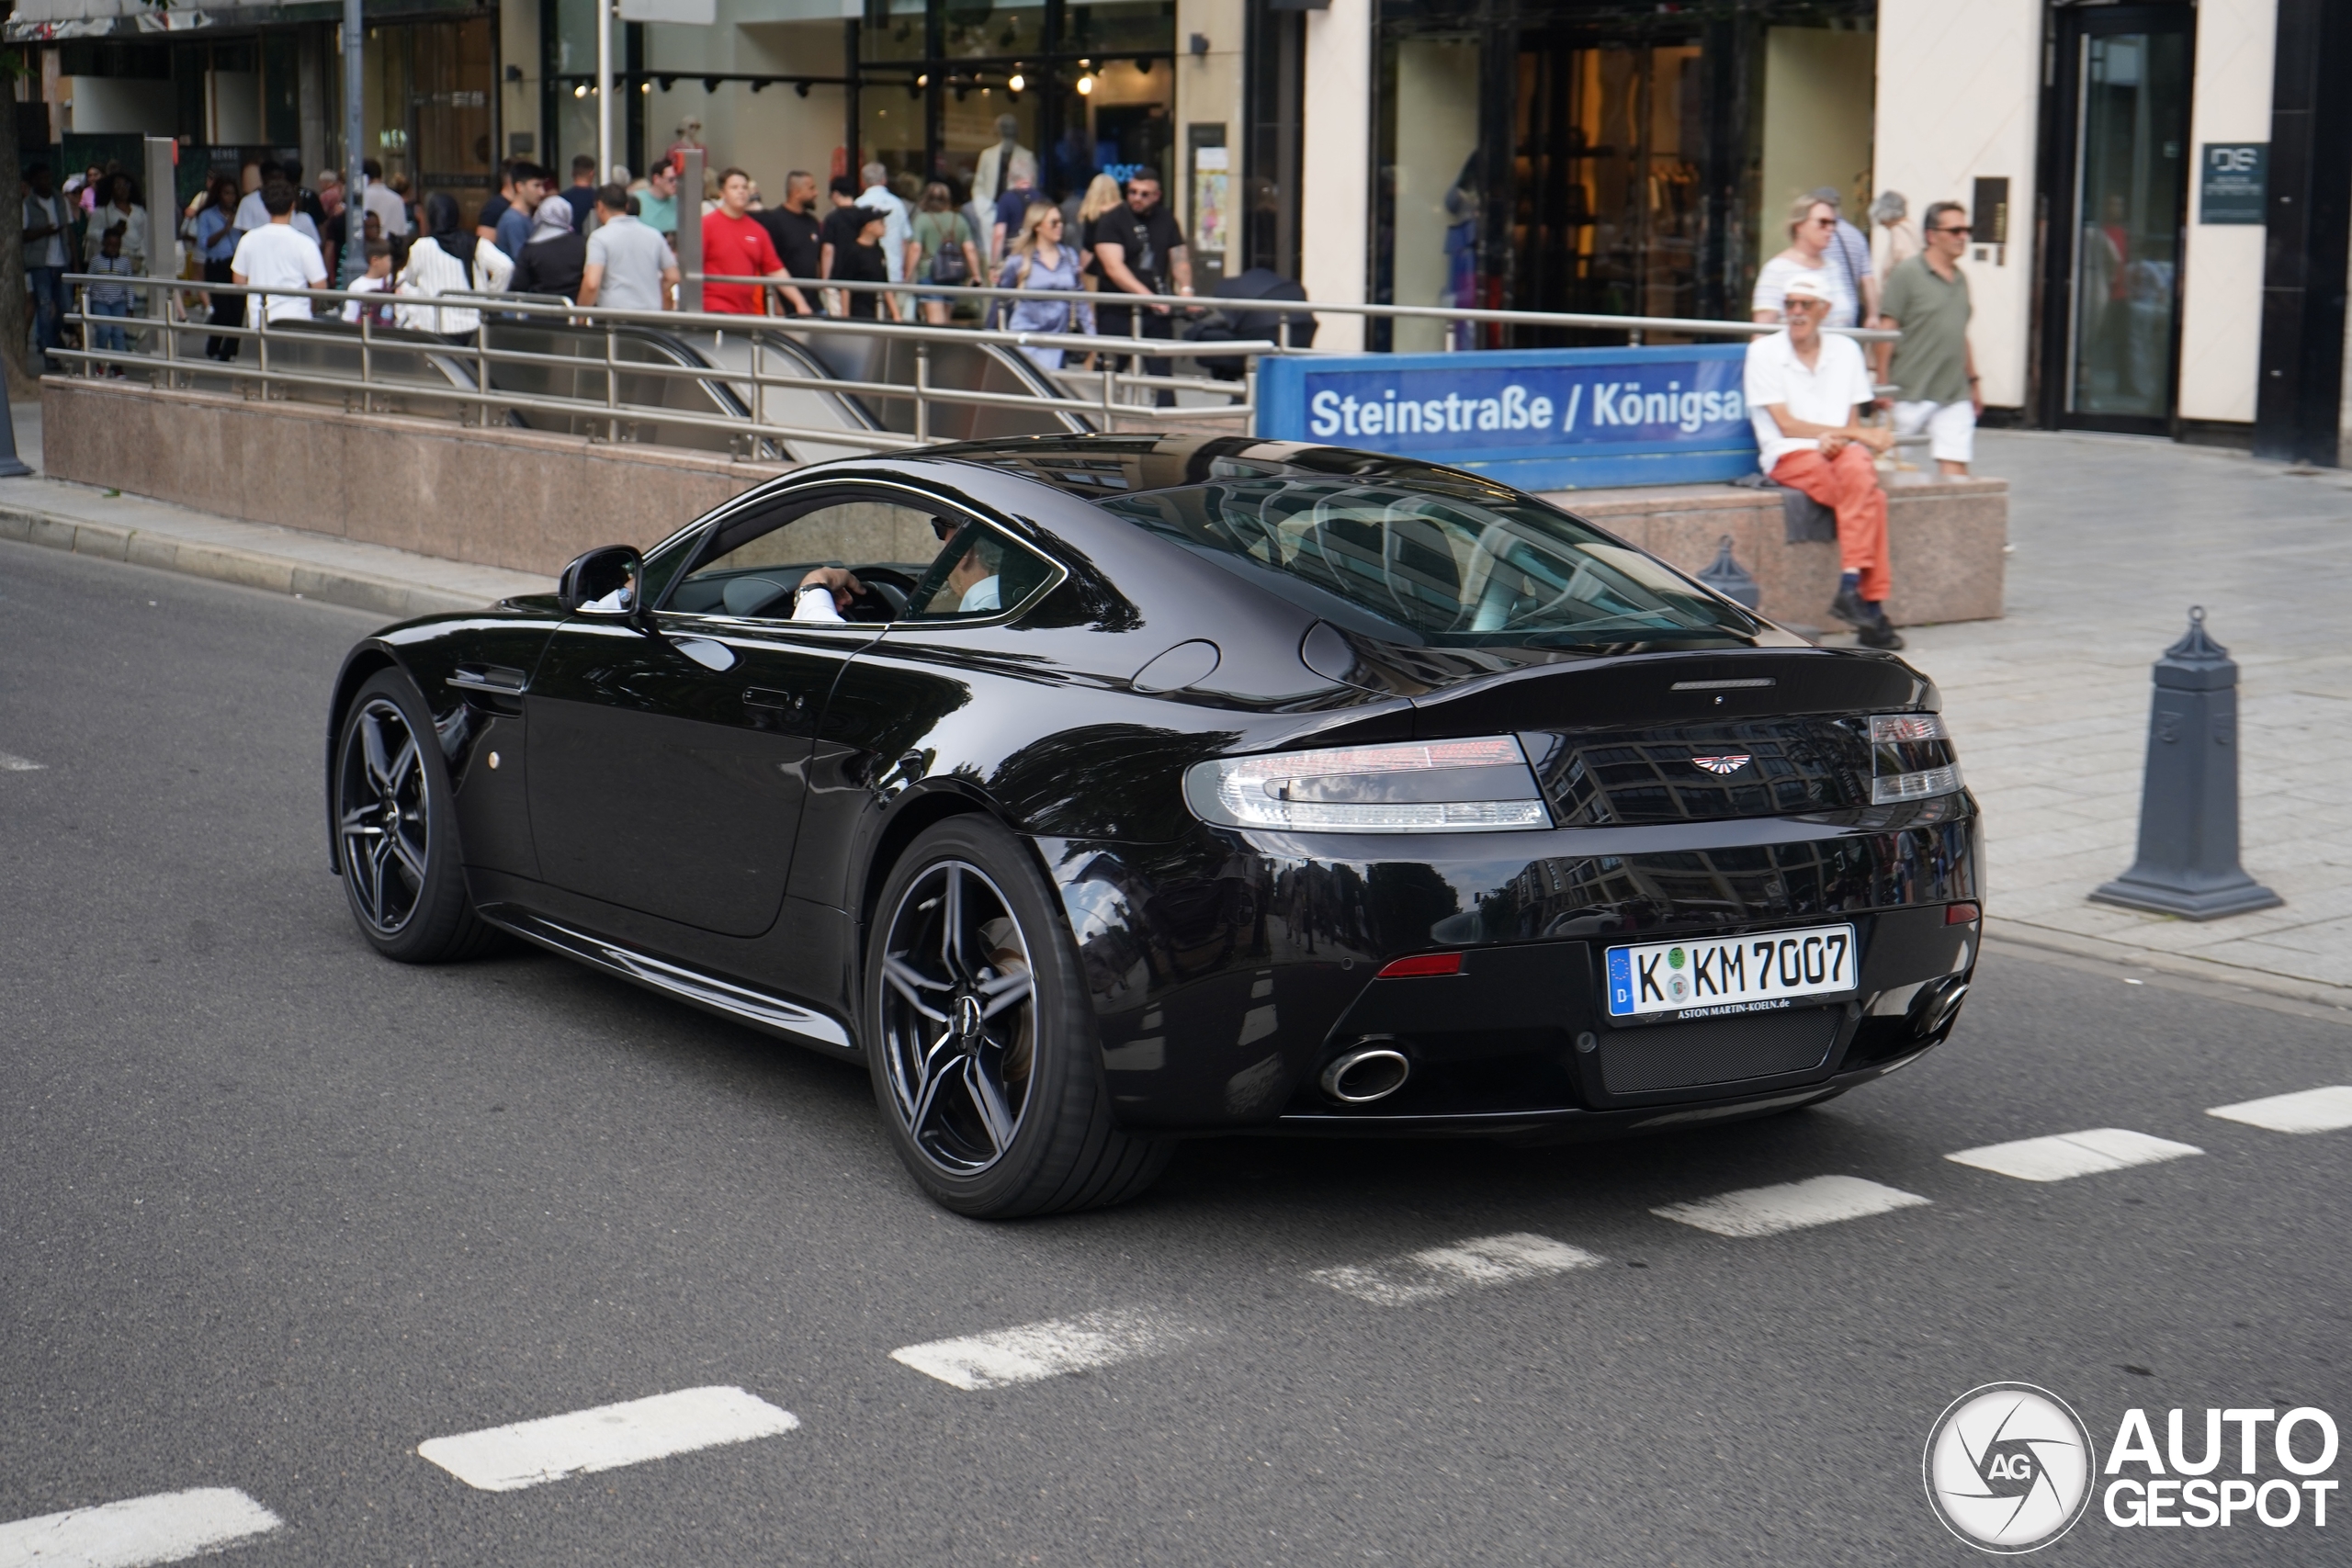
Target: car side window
{"x":753,"y":564}
{"x":977,"y":572}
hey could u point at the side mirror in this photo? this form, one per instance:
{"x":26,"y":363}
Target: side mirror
{"x":606,"y":581}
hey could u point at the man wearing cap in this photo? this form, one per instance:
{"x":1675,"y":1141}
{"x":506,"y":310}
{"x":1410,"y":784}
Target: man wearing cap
{"x":1805,"y":395}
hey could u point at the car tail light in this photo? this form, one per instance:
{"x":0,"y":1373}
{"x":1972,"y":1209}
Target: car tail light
{"x":1962,"y":914}
{"x":1420,"y":964}
{"x":1910,"y":758}
{"x":1435,"y":786}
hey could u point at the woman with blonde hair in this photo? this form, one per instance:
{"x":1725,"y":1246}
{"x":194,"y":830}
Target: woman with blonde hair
{"x":1040,"y":260}
{"x":1812,"y":227}
{"x":1102,"y":195}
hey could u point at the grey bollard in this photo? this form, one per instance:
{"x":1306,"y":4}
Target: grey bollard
{"x":1731,"y":580}
{"x":2188,"y":864}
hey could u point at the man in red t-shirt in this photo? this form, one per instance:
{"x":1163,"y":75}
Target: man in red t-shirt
{"x":734,"y":245}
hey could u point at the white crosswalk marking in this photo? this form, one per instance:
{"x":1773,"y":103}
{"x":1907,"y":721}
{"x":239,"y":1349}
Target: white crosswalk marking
{"x":1793,"y":1205}
{"x":2063,"y":1155}
{"x":507,"y":1459}
{"x":1036,"y":1350}
{"x":2326,"y":1109}
{"x":11,"y":763}
{"x":1445,"y":1271}
{"x":167,"y":1528}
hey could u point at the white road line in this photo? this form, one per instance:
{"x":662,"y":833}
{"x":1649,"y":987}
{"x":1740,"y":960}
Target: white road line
{"x":507,"y":1459}
{"x":167,"y":1528}
{"x":2063,"y":1155}
{"x":1038,"y":1350}
{"x":1445,"y":1271}
{"x":1793,"y":1205}
{"x":2326,"y":1109}
{"x":11,"y":763}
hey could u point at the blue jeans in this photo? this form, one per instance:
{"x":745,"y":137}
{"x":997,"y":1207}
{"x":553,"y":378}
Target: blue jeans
{"x":47,"y":285}
{"x":111,"y":339}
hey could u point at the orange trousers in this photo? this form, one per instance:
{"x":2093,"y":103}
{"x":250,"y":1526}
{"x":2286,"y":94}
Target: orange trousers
{"x":1848,"y":485}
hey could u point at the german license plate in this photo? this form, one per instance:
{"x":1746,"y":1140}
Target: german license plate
{"x":1729,"y":975}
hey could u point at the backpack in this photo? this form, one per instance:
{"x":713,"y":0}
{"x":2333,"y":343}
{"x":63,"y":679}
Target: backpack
{"x":948,"y":264}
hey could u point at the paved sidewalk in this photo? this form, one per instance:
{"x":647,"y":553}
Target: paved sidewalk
{"x":395,"y":583}
{"x":2114,"y":539}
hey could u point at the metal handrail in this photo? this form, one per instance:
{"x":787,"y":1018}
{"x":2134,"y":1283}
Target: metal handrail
{"x":474,"y":349}
{"x":1197,"y":303}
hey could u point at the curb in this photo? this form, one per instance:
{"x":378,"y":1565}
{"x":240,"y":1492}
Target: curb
{"x":226,"y":563}
{"x":2208,"y":971}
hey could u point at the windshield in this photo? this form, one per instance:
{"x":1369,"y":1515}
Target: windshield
{"x":1464,"y":567}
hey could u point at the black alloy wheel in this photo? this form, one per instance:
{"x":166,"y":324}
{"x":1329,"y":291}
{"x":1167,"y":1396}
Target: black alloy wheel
{"x":984,"y":1054}
{"x":396,"y":834}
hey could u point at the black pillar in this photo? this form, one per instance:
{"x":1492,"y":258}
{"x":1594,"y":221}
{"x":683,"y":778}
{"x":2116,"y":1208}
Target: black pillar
{"x":2296,"y":408}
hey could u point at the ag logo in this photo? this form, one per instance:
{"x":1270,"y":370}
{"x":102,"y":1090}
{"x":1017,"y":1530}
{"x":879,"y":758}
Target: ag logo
{"x":2009,"y":1468}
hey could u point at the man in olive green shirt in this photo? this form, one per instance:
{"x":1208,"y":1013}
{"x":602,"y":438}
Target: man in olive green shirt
{"x":1933,"y":366}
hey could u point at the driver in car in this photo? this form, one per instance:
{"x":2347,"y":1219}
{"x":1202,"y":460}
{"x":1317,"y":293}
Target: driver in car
{"x":826,"y":592}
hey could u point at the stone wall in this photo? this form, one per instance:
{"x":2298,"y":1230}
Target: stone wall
{"x":497,"y":496}
{"x":530,"y":502}
{"x":1946,"y":538}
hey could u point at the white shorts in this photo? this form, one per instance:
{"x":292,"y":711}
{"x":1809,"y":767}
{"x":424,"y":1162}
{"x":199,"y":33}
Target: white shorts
{"x":1950,"y":427}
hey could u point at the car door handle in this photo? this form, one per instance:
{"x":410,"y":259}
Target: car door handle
{"x":768,"y":697}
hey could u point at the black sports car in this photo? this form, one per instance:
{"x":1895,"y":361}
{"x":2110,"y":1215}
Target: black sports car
{"x":1096,"y":791}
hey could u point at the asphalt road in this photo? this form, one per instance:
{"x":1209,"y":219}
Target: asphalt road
{"x":272,"y":1211}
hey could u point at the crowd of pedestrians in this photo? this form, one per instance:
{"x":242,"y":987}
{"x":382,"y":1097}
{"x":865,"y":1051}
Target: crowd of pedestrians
{"x":871,"y":246}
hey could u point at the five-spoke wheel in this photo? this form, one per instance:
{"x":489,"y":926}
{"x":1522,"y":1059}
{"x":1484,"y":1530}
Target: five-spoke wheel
{"x":981,"y":1036}
{"x":960,"y":1031}
{"x":395,"y":830}
{"x":382,"y":820}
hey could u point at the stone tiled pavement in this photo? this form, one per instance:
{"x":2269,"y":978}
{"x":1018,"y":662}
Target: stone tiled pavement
{"x":2113,"y":539}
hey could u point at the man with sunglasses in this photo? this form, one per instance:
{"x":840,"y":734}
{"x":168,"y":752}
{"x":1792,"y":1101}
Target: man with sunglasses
{"x":1806,"y":391}
{"x":1927,"y":298}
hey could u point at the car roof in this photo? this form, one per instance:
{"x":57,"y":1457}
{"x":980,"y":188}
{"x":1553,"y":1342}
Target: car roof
{"x":1101,"y":467}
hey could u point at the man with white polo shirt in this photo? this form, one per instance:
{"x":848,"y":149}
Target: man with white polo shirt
{"x":1805,"y":394}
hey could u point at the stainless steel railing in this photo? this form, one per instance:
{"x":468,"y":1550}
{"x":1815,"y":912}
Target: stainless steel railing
{"x":464,"y":370}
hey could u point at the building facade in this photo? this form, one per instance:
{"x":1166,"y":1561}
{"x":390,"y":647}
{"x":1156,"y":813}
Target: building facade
{"x":2159,"y":189}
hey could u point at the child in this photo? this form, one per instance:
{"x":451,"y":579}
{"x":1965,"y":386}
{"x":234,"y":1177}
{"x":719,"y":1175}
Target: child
{"x":862,"y":263}
{"x":111,"y":298}
{"x":378,"y":280}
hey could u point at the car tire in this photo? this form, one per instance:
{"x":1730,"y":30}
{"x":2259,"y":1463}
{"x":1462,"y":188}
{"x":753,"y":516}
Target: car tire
{"x":396,"y":829}
{"x":982,"y":1048}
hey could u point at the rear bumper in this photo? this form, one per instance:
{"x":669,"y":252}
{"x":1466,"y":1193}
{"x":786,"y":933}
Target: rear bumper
{"x":1229,"y":969}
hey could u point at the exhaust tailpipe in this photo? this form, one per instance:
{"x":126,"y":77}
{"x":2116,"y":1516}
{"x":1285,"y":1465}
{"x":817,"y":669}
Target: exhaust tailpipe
{"x":1370,"y":1069}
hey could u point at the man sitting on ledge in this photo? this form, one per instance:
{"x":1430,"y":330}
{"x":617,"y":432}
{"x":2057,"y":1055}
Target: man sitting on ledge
{"x":1806,"y":394}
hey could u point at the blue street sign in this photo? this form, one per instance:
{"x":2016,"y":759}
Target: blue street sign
{"x":1538,"y":419}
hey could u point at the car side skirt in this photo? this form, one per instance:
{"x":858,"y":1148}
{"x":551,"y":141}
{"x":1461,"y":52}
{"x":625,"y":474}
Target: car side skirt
{"x":761,"y":1009}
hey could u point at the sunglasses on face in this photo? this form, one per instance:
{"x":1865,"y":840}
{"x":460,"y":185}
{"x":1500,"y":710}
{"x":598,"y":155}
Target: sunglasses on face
{"x":1948,"y":228}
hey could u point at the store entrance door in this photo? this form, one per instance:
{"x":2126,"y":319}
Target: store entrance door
{"x":430,"y":98}
{"x":2111,"y":343}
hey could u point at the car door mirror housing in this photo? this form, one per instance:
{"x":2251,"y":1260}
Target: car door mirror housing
{"x":606,"y":582}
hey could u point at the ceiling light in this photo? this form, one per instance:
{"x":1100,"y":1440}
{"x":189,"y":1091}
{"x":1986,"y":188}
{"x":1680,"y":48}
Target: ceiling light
{"x":1016,"y":81}
{"x":580,"y":91}
{"x":1086,"y":83}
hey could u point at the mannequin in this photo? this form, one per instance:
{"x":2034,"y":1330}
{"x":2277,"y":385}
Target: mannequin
{"x":998,"y":167}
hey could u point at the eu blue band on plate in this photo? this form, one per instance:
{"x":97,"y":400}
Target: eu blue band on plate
{"x":1620,"y":982}
{"x":1537,"y":419}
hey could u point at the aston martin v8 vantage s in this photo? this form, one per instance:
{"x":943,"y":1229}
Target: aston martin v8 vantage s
{"x":1094,"y":792}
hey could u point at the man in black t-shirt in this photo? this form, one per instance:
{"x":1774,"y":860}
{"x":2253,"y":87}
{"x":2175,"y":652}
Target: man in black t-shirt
{"x":839,"y":231}
{"x":1140,"y":249}
{"x":797,"y":236}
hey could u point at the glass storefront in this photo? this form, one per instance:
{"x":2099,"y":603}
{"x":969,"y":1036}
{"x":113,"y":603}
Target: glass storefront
{"x":1088,"y":85}
{"x":1609,"y":158}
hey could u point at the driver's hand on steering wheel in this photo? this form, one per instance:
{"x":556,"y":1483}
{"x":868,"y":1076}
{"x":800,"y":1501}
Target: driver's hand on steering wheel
{"x":845,"y":588}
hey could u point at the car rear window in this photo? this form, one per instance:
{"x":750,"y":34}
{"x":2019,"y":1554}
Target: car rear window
{"x":1464,"y":566}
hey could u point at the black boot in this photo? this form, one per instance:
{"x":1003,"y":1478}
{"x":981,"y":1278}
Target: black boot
{"x":1849,"y":608}
{"x":1875,"y":631}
